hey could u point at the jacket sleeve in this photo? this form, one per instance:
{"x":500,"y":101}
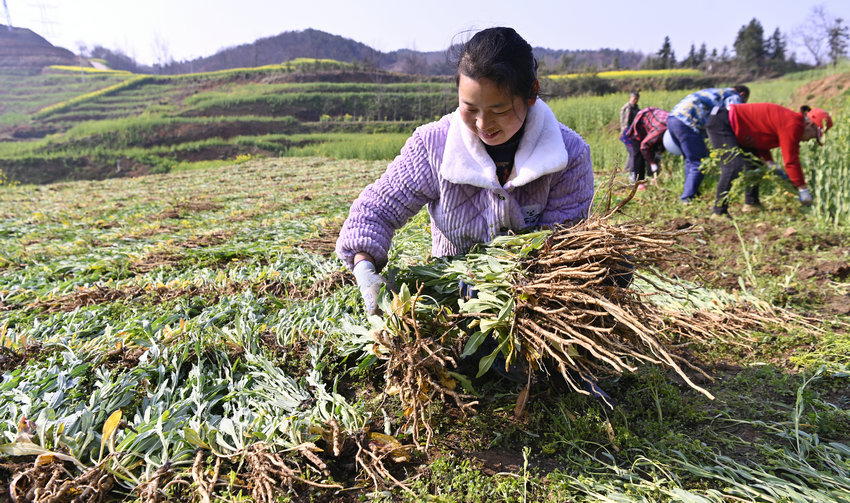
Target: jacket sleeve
{"x":732,"y":99}
{"x":624,"y":117}
{"x":387,"y":204}
{"x":789,"y":144}
{"x":571,"y":191}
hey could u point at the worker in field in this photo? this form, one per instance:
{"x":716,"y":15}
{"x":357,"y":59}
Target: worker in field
{"x":627,"y":116}
{"x":500,"y":162}
{"x":686,"y":124}
{"x":645,"y":136}
{"x":629,"y":111}
{"x":757,"y":128}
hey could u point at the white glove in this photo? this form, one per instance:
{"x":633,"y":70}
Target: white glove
{"x":369,"y":282}
{"x":654,"y":168}
{"x":805,"y":196}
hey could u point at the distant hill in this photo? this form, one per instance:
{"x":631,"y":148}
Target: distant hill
{"x":312,"y":43}
{"x":24,"y":51}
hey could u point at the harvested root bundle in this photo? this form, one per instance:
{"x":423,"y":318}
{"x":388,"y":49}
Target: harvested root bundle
{"x":554,"y":300}
{"x":51,"y":481}
{"x":419,"y":343}
{"x":575,"y":310}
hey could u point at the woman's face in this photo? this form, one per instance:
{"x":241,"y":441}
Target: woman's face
{"x":490,"y":111}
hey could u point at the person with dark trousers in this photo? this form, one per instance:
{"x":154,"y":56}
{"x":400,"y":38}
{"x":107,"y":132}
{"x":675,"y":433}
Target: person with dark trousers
{"x":756,"y":128}
{"x":686,"y":124}
{"x":646,"y":137}
{"x":628,"y":111}
{"x":627,"y":116}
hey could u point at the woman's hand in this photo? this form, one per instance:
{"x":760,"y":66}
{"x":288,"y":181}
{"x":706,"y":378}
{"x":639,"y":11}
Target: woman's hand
{"x":369,"y":282}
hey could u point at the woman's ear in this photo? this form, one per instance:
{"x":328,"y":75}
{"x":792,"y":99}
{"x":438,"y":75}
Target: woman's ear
{"x":535,"y":88}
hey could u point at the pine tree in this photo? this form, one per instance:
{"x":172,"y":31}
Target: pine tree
{"x":691,"y":60}
{"x":749,"y":46}
{"x":775,"y":46}
{"x":837,"y":41}
{"x":666,"y":56}
{"x":702,"y":54}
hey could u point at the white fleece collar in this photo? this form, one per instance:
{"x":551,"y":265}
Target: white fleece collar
{"x":541,"y":151}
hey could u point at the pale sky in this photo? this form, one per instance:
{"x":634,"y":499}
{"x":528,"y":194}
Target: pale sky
{"x":186,"y":29}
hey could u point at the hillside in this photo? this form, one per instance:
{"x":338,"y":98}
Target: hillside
{"x":317,"y":44}
{"x":24,"y":51}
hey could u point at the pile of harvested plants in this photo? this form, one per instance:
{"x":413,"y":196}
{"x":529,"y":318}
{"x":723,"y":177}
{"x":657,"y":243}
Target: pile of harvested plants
{"x":553,"y":301}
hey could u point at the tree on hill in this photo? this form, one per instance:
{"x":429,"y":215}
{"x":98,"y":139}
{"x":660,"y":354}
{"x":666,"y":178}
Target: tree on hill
{"x":775,"y":46}
{"x":117,"y":60}
{"x":695,"y":58}
{"x":837,"y":41}
{"x":702,"y":54}
{"x":749,"y":46}
{"x":823,"y":35}
{"x":664,"y":58}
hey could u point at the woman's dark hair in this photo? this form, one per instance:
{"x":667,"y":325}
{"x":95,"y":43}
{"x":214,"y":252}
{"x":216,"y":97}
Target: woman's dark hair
{"x":501,"y":55}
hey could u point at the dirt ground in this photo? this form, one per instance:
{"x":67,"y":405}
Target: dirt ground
{"x":823,"y":90}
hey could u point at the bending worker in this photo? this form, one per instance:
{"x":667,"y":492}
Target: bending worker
{"x":686,"y":124}
{"x":646,"y":134}
{"x":756,"y":128}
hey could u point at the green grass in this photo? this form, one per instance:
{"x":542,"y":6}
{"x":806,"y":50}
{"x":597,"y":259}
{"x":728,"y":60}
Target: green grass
{"x":217,"y":335}
{"x":348,"y":146}
{"x":774,"y":410}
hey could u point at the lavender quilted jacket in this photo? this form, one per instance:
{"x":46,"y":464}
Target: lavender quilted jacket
{"x":444,"y":165}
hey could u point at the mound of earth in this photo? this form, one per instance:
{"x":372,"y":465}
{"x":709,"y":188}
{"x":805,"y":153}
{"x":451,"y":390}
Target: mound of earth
{"x":26,"y":51}
{"x":822,"y":91}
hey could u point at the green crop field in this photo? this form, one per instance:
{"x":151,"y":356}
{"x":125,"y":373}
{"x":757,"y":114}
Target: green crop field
{"x":190,"y":335}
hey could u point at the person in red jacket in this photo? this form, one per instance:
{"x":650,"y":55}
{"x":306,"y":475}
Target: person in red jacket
{"x":756,"y":128}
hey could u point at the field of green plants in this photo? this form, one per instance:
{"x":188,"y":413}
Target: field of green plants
{"x":190,"y":335}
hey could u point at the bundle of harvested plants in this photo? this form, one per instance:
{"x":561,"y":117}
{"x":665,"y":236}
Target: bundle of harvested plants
{"x":552,"y":301}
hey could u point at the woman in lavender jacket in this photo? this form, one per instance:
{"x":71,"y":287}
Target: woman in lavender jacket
{"x":501,"y":162}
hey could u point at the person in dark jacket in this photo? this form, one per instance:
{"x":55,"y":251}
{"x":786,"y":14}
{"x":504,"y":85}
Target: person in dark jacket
{"x":628,"y":111}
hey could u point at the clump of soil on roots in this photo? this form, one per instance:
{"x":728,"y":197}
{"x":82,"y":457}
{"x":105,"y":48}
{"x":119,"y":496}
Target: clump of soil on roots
{"x":52,"y":482}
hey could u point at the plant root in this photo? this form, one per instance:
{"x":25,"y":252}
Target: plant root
{"x":417,"y":368}
{"x":271,"y":472}
{"x":53,"y":483}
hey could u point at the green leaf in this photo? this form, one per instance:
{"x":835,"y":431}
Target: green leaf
{"x":473,"y":342}
{"x":487,"y":362}
{"x":688,"y":497}
{"x":464,"y":381}
{"x":194,"y":438}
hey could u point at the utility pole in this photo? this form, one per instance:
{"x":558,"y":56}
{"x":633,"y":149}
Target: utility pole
{"x":8,"y":17}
